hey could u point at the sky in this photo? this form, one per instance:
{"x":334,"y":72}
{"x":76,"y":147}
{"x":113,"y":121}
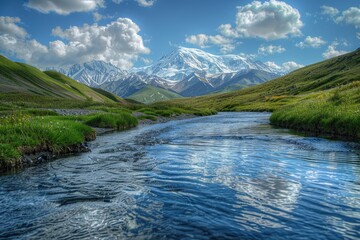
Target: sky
{"x":128,"y":33}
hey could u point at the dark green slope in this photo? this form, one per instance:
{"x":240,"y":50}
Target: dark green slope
{"x":150,"y":94}
{"x":22,"y":78}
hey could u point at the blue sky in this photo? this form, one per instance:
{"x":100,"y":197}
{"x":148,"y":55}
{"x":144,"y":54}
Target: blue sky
{"x":137,"y":32}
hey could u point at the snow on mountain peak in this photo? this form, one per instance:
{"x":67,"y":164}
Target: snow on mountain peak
{"x":183,"y":61}
{"x":93,"y":73}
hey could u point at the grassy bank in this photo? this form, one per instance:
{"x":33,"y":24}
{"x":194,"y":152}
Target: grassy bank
{"x":334,"y":113}
{"x":32,"y":131}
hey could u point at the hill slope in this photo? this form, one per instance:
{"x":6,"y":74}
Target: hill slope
{"x":150,"y":94}
{"x":21,"y":78}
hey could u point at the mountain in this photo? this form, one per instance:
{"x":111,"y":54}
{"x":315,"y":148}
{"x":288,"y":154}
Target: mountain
{"x":92,"y":73}
{"x":131,"y":83}
{"x":23,"y":78}
{"x":182,"y":62}
{"x":186,"y":71}
{"x":150,"y":94}
{"x":317,"y":82}
{"x":195,"y":85}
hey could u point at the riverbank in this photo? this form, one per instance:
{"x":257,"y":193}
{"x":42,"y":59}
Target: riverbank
{"x":33,"y":140}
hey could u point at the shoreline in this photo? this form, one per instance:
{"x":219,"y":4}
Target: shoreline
{"x":43,"y":155}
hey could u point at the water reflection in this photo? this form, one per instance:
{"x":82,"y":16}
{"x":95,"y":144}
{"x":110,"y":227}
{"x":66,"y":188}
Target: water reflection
{"x":227,"y":176}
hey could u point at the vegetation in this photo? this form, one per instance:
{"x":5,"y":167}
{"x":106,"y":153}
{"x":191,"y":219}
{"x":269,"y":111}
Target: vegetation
{"x":323,"y":98}
{"x":150,"y":94}
{"x":334,"y":113}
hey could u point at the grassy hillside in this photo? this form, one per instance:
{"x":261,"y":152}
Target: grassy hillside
{"x":28,"y":80}
{"x":150,"y":94}
{"x":323,"y":98}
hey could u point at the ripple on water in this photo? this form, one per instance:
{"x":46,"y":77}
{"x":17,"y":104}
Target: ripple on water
{"x":226,"y":176}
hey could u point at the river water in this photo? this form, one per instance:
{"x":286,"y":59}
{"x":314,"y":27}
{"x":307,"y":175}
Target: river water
{"x":229,"y":176}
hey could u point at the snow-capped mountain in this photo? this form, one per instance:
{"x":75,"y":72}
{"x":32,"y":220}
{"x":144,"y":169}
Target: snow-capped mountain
{"x":196,"y":85}
{"x":186,"y":71}
{"x":131,"y":83}
{"x":93,"y":73}
{"x":182,"y":62}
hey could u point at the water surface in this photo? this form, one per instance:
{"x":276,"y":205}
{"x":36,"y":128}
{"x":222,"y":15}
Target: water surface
{"x":226,"y":176}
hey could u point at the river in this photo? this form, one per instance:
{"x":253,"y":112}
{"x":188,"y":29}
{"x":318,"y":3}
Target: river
{"x":228,"y":176}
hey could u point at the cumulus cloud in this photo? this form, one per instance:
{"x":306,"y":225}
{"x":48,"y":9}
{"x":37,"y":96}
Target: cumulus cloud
{"x":204,"y":41}
{"x":270,"y":49}
{"x":311,"y":42}
{"x":291,"y":66}
{"x":141,"y":3}
{"x":331,"y":51}
{"x":97,"y":16}
{"x":64,"y":7}
{"x":8,"y":25}
{"x":350,"y":16}
{"x":269,"y":20}
{"x":329,"y":11}
{"x":285,"y":67}
{"x":145,"y":3}
{"x":117,"y":42}
{"x":358,"y":35}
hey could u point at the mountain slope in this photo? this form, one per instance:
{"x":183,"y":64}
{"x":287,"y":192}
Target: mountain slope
{"x":132,"y":83}
{"x":195,"y":85}
{"x":182,"y":62}
{"x":93,"y":73}
{"x":150,"y":94}
{"x":23,"y":78}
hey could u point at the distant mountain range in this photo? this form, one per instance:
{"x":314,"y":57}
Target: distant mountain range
{"x":184,"y":72}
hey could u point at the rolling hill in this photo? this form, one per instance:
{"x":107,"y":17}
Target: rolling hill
{"x":20,"y":78}
{"x":150,"y":94}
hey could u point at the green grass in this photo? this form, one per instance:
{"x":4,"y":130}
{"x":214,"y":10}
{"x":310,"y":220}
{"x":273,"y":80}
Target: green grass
{"x":24,"y":134}
{"x":119,"y":121}
{"x":335,"y":113}
{"x":34,"y":130}
{"x":150,"y":94}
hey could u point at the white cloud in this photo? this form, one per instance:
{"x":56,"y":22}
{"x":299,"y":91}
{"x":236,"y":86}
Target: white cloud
{"x":358,"y":35}
{"x":202,"y":40}
{"x":97,"y":16}
{"x":285,"y":67}
{"x":330,"y":11}
{"x":141,"y":3}
{"x":291,"y":66}
{"x":269,"y":20}
{"x":350,"y":16}
{"x":64,"y":7}
{"x":8,"y":25}
{"x":270,"y":49}
{"x":117,"y":42}
{"x":145,"y":3}
{"x":331,"y":51}
{"x":312,"y":42}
